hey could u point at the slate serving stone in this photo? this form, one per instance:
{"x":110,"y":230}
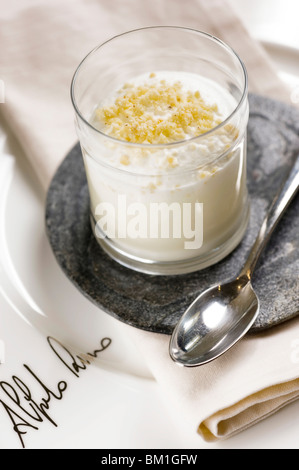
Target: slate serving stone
{"x":155,"y":303}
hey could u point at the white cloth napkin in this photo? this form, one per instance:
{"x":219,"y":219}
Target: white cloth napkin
{"x":41,"y":45}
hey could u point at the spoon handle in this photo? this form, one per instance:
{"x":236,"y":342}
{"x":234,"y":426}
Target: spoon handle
{"x":280,"y":203}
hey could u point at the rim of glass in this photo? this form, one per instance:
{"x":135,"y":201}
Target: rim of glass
{"x":168,"y":144}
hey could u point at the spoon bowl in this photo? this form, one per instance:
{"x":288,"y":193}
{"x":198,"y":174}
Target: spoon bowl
{"x":214,"y":322}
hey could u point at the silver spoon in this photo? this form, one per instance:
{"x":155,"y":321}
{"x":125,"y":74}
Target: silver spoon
{"x":220,"y":316}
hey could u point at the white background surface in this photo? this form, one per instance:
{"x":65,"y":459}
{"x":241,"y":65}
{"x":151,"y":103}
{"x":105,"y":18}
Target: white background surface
{"x":114,"y":403}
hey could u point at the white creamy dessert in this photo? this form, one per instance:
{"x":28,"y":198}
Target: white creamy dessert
{"x":166,"y":145}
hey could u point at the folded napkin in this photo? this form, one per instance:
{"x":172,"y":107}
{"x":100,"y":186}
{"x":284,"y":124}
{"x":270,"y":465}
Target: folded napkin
{"x":41,"y":45}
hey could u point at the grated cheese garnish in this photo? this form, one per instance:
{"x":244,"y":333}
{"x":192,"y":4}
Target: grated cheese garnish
{"x":157,"y":112}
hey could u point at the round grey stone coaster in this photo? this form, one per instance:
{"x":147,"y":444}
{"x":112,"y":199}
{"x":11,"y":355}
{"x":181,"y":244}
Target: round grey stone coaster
{"x":155,"y":303}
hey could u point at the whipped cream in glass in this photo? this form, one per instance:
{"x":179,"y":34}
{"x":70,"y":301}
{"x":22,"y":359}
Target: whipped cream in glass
{"x":165,"y":153}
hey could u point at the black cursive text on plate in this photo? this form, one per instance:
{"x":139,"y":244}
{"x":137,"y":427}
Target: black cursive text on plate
{"x":24,"y":411}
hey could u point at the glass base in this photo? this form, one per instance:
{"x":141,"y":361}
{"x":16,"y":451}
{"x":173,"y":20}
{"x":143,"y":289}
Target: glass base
{"x":172,"y":268}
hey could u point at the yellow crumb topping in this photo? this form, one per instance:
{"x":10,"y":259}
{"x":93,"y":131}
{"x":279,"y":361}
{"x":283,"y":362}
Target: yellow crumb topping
{"x":157,"y":112}
{"x":125,"y":160}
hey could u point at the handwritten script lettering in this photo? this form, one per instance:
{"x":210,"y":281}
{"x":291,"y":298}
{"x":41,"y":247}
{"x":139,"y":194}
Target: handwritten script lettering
{"x":16,"y":398}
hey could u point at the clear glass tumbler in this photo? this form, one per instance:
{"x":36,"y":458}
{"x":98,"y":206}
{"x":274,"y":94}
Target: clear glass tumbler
{"x":184,"y":217}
